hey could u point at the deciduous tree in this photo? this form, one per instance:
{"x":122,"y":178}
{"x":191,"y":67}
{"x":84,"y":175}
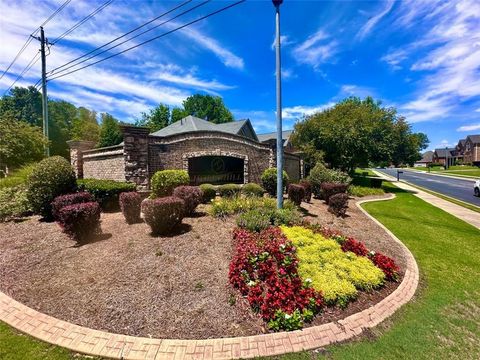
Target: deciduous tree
{"x":110,"y":133}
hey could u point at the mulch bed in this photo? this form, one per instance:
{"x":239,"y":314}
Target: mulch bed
{"x":131,"y":283}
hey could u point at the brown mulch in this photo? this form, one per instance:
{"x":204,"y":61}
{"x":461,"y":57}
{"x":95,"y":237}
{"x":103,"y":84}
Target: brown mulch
{"x":131,"y":283}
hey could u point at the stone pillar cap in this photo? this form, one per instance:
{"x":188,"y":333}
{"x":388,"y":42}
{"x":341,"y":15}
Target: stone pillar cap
{"x":81,"y":144}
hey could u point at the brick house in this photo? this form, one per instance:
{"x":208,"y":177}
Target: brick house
{"x":471,"y":153}
{"x":444,"y":156}
{"x":211,"y":153}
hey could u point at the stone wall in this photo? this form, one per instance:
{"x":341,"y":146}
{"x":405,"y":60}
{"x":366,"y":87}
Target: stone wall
{"x":293,"y":166}
{"x":174,"y":151}
{"x":105,"y":163}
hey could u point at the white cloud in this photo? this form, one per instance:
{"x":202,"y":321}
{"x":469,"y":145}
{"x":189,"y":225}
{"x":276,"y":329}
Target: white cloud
{"x":355,"y":90}
{"x":298,"y":111}
{"x":284,"y":41}
{"x":477,"y":110}
{"x":395,"y":58}
{"x":316,"y":49}
{"x":190,"y":81}
{"x":444,"y":143}
{"x":472,"y":127}
{"x":370,"y":24}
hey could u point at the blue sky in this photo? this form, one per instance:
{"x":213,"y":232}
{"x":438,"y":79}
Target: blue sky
{"x":423,"y":57}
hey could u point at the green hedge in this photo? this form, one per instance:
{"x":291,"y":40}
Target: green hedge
{"x":252,"y":189}
{"x":229,"y":190}
{"x":163,"y":182}
{"x":105,"y":192}
{"x":269,"y":181}
{"x":209,"y":193}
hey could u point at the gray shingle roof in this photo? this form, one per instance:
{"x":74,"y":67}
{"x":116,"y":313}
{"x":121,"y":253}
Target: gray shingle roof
{"x":475,"y":138}
{"x":192,"y":124}
{"x":441,"y":152}
{"x":273,"y":136}
{"x":426,"y":157}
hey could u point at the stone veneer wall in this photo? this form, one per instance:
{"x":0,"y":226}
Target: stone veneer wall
{"x":105,"y":163}
{"x":174,"y":151}
{"x":292,"y":165}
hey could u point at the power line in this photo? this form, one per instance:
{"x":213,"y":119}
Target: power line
{"x":150,"y":40}
{"x":81,"y":22}
{"x":24,"y":71}
{"x":119,"y":37}
{"x":27,"y":42}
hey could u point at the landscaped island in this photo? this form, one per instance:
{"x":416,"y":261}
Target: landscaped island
{"x":222,"y":258}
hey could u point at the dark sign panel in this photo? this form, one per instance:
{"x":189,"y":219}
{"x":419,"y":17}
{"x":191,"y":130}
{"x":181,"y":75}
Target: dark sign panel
{"x":215,"y":170}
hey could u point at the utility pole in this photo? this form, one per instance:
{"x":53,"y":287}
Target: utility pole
{"x":43,"y":42}
{"x":277,"y":4}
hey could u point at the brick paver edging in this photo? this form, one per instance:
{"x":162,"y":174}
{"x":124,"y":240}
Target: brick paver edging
{"x":94,"y":342}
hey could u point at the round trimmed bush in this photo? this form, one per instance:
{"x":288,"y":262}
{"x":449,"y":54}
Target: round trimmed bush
{"x":338,"y":204}
{"x":163,"y":214}
{"x":229,"y":190}
{"x":269,"y":181}
{"x":209,"y":193}
{"x":163,"y":182}
{"x":105,"y":192}
{"x":69,"y":199}
{"x":130,"y":203}
{"x":296,"y":193}
{"x":307,"y":186}
{"x":80,"y":221}
{"x":52,"y":177}
{"x":252,"y":190}
{"x":191,"y":195}
{"x":330,"y":189}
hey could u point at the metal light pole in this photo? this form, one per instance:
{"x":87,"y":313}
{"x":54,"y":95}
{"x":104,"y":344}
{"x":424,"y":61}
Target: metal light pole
{"x":277,"y":4}
{"x":446,"y":158}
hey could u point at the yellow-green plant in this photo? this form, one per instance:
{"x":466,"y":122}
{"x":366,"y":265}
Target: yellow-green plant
{"x":337,"y":274}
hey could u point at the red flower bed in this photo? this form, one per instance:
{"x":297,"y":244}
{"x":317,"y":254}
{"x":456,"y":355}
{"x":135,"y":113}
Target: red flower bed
{"x":386,"y":264}
{"x":264,"y":269}
{"x":354,"y":246}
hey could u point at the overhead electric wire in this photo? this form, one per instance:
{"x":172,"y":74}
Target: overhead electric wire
{"x":81,"y":22}
{"x":119,"y":37}
{"x":150,"y":40}
{"x":30,"y":37}
{"x":24,"y":71}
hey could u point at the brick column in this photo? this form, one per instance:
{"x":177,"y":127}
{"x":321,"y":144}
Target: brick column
{"x":135,"y":152}
{"x":77,"y":147}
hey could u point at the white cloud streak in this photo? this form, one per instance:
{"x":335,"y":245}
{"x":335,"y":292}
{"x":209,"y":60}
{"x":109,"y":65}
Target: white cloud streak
{"x":316,"y":49}
{"x":370,"y":24}
{"x":472,"y":127}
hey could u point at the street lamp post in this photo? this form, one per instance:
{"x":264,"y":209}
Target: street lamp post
{"x":277,"y":4}
{"x":446,"y":158}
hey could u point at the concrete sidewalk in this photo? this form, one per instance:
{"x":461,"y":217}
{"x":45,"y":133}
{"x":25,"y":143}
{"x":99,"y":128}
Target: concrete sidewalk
{"x":467,"y":215}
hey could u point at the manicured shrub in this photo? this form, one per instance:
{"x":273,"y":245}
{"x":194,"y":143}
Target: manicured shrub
{"x":252,"y":189}
{"x":209,"y":193}
{"x":80,"y":221}
{"x":336,"y":274}
{"x":105,"y":192}
{"x":357,"y":247}
{"x":13,"y":202}
{"x":163,"y":182}
{"x":329,"y":189}
{"x":321,"y":174}
{"x":296,"y":193}
{"x":229,"y":190}
{"x":64,"y":200}
{"x":191,"y":195}
{"x":230,"y":206}
{"x":307,"y":186}
{"x":254,"y":220}
{"x":52,"y":177}
{"x":269,"y":181}
{"x":287,"y":216}
{"x":386,"y":264}
{"x":338,"y":204}
{"x":130,"y":203}
{"x":264,"y":269}
{"x":163,"y":214}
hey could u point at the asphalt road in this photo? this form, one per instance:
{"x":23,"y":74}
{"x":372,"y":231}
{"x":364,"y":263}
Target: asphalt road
{"x":456,"y":188}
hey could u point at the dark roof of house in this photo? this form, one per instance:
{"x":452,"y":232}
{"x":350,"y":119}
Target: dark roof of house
{"x":441,"y":152}
{"x":427,"y":157}
{"x":474,"y":138}
{"x":192,"y":124}
{"x":273,"y":136}
{"x":462,"y":142}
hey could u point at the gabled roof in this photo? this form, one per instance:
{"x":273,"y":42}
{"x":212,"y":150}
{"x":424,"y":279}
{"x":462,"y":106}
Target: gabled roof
{"x":461,"y":142}
{"x":442,"y":152}
{"x":426,"y":157}
{"x":192,"y":124}
{"x":273,"y":136}
{"x":474,"y":138}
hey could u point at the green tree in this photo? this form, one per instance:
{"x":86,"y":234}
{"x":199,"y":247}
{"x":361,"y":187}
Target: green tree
{"x":85,"y":126}
{"x":406,"y":146}
{"x":20,"y":143}
{"x":177,"y":114}
{"x":24,"y":104}
{"x":156,"y":119}
{"x":61,"y":115}
{"x":207,"y":107}
{"x":110,"y":133}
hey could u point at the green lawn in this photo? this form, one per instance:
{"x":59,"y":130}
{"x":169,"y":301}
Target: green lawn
{"x":442,"y":322}
{"x":466,"y":171}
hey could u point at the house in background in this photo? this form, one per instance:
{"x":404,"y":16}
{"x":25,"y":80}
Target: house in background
{"x":471,"y":153}
{"x":444,"y":156}
{"x":460,"y":150}
{"x":427,"y":158}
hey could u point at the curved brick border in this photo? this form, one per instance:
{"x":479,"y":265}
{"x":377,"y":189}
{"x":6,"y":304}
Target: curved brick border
{"x":100,"y":343}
